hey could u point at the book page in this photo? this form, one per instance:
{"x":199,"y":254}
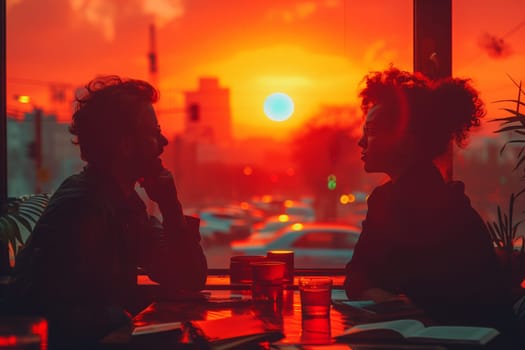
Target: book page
{"x":404,"y":328}
{"x":156,"y":328}
{"x":358,"y":303}
{"x":459,"y":334}
{"x":367,"y":311}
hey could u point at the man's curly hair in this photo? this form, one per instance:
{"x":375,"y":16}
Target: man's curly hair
{"x":107,"y":109}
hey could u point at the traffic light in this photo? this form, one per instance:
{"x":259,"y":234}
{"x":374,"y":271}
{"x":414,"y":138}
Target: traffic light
{"x":332,"y":182}
{"x":194,"y":112}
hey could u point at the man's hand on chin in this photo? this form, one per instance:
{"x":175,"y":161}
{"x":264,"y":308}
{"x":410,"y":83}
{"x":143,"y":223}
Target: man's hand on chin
{"x":159,"y":185}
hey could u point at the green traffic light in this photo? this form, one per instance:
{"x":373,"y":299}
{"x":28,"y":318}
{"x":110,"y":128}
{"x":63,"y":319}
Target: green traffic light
{"x":332,"y":182}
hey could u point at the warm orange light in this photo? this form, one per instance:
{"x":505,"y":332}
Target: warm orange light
{"x":248,"y":170}
{"x":245,"y":205}
{"x":343,"y":199}
{"x":283,"y":218}
{"x":288,"y":203}
{"x":267,"y":198}
{"x":297,"y":227}
{"x":351,"y":198}
{"x":23,"y":99}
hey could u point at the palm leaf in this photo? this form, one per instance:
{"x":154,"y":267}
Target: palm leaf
{"x":493,"y":231}
{"x":14,"y":236}
{"x":24,"y":228}
{"x":511,"y":141}
{"x":520,"y":161}
{"x":522,"y":148}
{"x":509,"y":128}
{"x":21,"y":217}
{"x":516,"y":115}
{"x":511,"y":118}
{"x":518,"y":102}
{"x":518,"y":85}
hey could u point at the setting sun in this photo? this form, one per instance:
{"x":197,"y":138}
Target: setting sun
{"x":278,"y":106}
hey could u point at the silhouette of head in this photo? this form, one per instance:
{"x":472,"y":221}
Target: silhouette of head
{"x":410,"y":118}
{"x":114,"y":121}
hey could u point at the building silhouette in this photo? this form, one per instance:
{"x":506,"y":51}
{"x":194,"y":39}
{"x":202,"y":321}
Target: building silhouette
{"x":60,"y":158}
{"x":208,"y":113}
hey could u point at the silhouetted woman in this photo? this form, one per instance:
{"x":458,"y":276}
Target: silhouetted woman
{"x":421,"y":236}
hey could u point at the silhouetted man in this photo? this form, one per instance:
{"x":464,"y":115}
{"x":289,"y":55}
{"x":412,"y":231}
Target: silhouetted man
{"x":79,"y":267}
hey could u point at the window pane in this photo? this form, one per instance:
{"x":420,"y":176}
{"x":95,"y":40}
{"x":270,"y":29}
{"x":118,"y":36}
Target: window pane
{"x":488,"y":47}
{"x":221,"y":68}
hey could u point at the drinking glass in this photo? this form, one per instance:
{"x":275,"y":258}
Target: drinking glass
{"x":267,"y":282}
{"x":315,"y":296}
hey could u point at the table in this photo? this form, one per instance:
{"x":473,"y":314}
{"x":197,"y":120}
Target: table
{"x":299,"y":333}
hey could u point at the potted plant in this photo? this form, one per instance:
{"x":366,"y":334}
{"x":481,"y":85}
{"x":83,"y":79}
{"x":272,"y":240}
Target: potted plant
{"x":16,"y":224}
{"x":504,"y":232}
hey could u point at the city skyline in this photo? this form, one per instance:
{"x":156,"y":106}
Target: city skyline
{"x":315,"y":51}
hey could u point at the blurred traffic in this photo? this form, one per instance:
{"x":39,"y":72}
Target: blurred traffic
{"x":255,"y":227}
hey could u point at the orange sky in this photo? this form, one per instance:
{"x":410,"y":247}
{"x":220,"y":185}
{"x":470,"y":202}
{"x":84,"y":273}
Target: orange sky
{"x":315,"y":51}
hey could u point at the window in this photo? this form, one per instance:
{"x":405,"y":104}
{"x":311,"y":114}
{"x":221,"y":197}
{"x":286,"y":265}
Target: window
{"x":216,"y":63}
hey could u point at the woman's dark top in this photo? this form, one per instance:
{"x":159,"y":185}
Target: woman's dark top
{"x":422,"y":238}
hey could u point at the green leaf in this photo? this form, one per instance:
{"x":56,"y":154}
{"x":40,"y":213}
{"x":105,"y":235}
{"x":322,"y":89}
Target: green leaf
{"x":493,"y":234}
{"x":517,"y":225}
{"x":22,"y":221}
{"x":518,"y":85}
{"x":521,"y":151}
{"x":510,"y":128}
{"x":520,"y":161}
{"x":516,"y":115}
{"x":13,"y":232}
{"x":23,"y":231}
{"x":509,"y":100}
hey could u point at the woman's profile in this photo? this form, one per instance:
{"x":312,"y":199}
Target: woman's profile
{"x":421,"y":237}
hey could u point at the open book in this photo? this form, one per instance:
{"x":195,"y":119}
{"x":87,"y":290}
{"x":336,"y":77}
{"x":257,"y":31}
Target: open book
{"x":156,"y":328}
{"x":223,"y":333}
{"x":370,"y":311}
{"x":415,"y":331}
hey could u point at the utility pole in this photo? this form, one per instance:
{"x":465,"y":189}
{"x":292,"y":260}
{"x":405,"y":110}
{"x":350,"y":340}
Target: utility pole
{"x":433,"y":52}
{"x":152,"y":56}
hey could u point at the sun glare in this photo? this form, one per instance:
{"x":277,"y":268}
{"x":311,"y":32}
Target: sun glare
{"x":278,"y":106}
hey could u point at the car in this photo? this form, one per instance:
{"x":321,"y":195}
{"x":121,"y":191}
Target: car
{"x":315,"y":244}
{"x":273,"y":206}
{"x":272,"y":224}
{"x":299,"y":209}
{"x":248,"y":211}
{"x":223,"y":224}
